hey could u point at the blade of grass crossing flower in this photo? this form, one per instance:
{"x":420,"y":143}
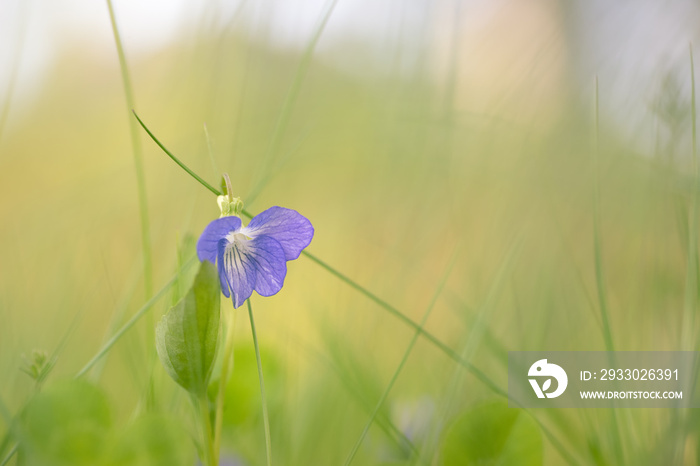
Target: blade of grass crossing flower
{"x":449,"y":352}
{"x":130,"y":323}
{"x":406,"y":354}
{"x":175,"y":159}
{"x":266,"y":420}
{"x":383,"y":304}
{"x":138,"y":158}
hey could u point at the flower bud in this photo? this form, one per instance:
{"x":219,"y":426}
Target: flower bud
{"x":230,"y":206}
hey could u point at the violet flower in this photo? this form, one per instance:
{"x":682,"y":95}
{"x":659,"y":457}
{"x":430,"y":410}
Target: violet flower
{"x":254,"y":257}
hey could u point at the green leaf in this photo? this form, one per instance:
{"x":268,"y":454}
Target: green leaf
{"x":187,"y":336}
{"x":66,"y":424}
{"x":493,"y":434}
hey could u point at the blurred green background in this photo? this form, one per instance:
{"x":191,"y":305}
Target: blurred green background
{"x":411,"y":134}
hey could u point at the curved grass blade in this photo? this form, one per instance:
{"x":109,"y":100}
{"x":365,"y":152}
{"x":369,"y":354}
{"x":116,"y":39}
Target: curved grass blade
{"x":175,"y":159}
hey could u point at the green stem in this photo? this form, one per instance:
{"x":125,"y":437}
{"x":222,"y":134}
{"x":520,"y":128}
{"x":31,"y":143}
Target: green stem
{"x":207,"y":438}
{"x":227,"y":364}
{"x":138,"y":158}
{"x":266,"y":420}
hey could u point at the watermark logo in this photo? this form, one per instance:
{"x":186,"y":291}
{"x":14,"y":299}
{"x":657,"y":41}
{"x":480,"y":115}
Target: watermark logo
{"x":602,"y":379}
{"x":542,"y":369}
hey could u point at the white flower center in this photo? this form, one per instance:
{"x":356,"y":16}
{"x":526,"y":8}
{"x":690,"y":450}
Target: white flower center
{"x":236,"y":237}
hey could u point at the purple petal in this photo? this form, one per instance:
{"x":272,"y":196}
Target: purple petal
{"x":237,"y":271}
{"x":270,"y":264}
{"x":222,"y":272}
{"x":208,"y":243}
{"x":248,"y":265}
{"x":288,"y":227}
